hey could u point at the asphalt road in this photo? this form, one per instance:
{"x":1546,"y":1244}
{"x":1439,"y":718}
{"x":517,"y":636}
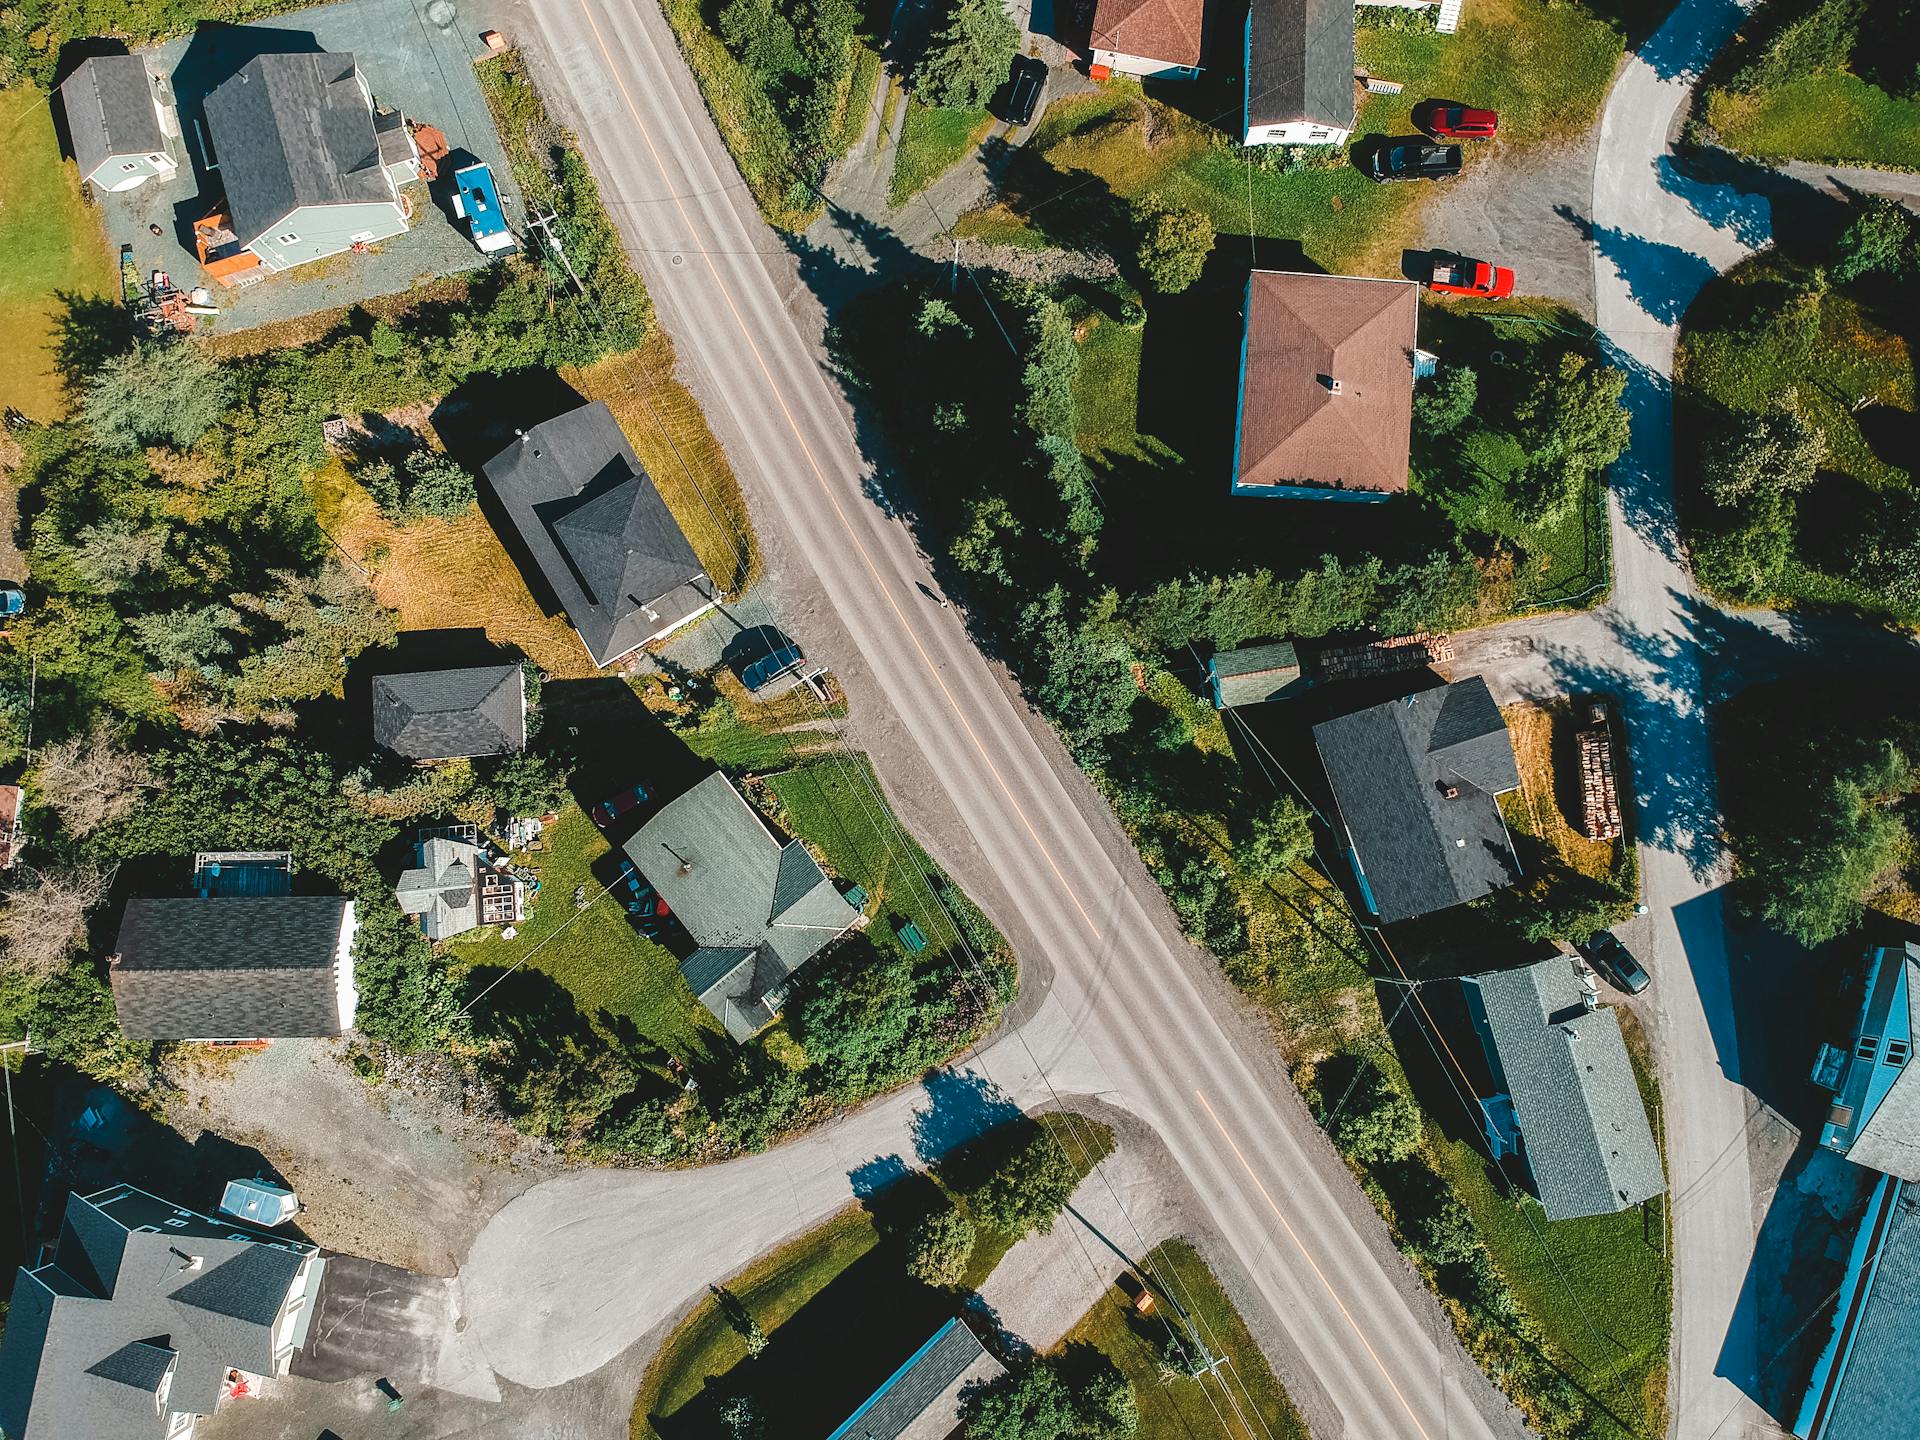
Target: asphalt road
{"x":1161,"y":1033}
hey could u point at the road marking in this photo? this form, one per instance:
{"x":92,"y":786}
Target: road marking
{"x":826,"y":487}
{"x":1319,"y":1274}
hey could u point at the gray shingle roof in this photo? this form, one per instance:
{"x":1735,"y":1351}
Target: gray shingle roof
{"x":229,"y":967}
{"x":1390,"y":767}
{"x":921,"y":1399}
{"x":1300,"y":62}
{"x":742,"y":896}
{"x":443,"y":714}
{"x":82,"y":1359}
{"x":1873,"y":1399}
{"x":603,"y":538}
{"x":294,"y":130}
{"x":1254,"y":674}
{"x":1583,"y":1126}
{"x":109,"y":107}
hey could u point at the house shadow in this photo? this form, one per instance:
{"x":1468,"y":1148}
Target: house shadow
{"x":479,"y":417}
{"x":616,"y":742}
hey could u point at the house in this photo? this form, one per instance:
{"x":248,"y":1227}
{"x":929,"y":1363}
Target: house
{"x":1565,"y":1101}
{"x":117,"y":123}
{"x":921,"y":1400}
{"x":241,"y":960}
{"x":1326,"y":387}
{"x":602,"y":537}
{"x":306,"y":173}
{"x":451,"y":714}
{"x":1861,"y":1387}
{"x":758,"y":910}
{"x":1254,"y":675}
{"x":1414,"y":782}
{"x":1157,"y":39}
{"x":1875,"y":1116}
{"x":145,"y":1316}
{"x":455,"y":886}
{"x":1299,"y":73}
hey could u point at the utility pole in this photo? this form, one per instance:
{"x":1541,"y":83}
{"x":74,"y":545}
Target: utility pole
{"x":25,"y":1047}
{"x":543,"y":225}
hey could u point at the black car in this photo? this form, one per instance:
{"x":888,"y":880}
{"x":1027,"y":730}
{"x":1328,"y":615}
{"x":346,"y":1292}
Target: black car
{"x":1607,"y":955}
{"x":1021,"y":93}
{"x":1413,"y":158}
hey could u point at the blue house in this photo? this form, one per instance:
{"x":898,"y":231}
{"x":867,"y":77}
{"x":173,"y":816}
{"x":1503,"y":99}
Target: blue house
{"x":1875,"y":1116}
{"x":921,"y":1400}
{"x":1861,"y":1387}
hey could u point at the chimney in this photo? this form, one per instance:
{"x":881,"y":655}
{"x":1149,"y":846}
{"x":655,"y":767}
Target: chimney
{"x":1453,"y":792}
{"x":1332,"y":384}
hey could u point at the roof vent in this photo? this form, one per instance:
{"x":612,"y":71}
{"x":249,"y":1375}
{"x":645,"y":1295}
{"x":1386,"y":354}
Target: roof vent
{"x":1453,"y":792}
{"x":1460,"y":844}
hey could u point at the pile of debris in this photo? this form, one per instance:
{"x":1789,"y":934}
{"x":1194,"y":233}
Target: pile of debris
{"x":1383,"y":657}
{"x":1599,"y":799}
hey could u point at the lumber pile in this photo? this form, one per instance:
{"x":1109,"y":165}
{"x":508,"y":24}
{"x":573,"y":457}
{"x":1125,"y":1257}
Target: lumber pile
{"x":1599,"y":799}
{"x":1383,"y":657}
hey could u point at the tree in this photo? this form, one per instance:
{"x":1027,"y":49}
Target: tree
{"x":118,"y":552}
{"x":1174,"y":243}
{"x":327,"y":618}
{"x":981,"y":545}
{"x":90,"y":780}
{"x":1442,"y":403}
{"x":940,"y":1247}
{"x":968,"y":60}
{"x":43,"y":916}
{"x":1274,"y":838}
{"x":1030,"y":1186}
{"x":1882,"y":238}
{"x":1372,"y":1121}
{"x":936,"y":317}
{"x":437,"y":484}
{"x":1086,"y":675}
{"x":858,"y":1015}
{"x":157,"y":393}
{"x":528,"y":782}
{"x":1761,"y":455}
{"x":1571,"y":421}
{"x":189,"y":638}
{"x":1034,"y":1404}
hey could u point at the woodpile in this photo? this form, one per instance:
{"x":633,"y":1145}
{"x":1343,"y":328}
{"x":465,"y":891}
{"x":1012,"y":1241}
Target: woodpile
{"x":1383,"y":657}
{"x":1599,"y":799}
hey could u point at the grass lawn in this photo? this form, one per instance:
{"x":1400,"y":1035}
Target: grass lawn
{"x":1106,"y":392}
{"x":933,"y":138}
{"x":690,"y":470}
{"x":1243,"y":1399}
{"x":1600,"y":1288}
{"x":54,"y":247}
{"x":603,"y":961}
{"x":1833,"y":119}
{"x":837,"y":805}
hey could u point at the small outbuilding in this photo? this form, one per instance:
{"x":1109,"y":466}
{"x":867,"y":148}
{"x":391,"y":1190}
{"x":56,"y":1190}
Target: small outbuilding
{"x":117,"y":123}
{"x":451,"y":714}
{"x":1254,"y":675}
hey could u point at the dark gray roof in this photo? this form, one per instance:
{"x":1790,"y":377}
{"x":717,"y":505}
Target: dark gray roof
{"x":1300,"y":62}
{"x":229,"y":967}
{"x":82,"y":1359}
{"x":1873,"y":1397}
{"x":443,"y":714}
{"x":1390,"y":768}
{"x":920,"y":1400}
{"x":603,"y":538}
{"x":1254,"y":674}
{"x":294,"y":130}
{"x":759,"y":910}
{"x":109,"y":106}
{"x":1583,"y":1126}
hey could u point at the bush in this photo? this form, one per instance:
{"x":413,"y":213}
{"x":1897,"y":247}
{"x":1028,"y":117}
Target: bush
{"x":940,"y":1247}
{"x":1371,"y":1120}
{"x":1030,"y":1186}
{"x":1442,"y":404}
{"x":1275,"y":837}
{"x":1174,"y":244}
{"x":1882,"y":238}
{"x":1763,"y":456}
{"x":1820,"y":40}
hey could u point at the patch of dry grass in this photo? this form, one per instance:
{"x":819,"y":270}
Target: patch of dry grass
{"x":1543,"y":736}
{"x":672,"y":439}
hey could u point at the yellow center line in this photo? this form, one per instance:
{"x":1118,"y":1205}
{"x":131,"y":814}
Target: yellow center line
{"x":1319,"y":1274}
{"x":820,"y":476}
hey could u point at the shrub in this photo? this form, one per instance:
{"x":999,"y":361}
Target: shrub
{"x":1762,"y":455}
{"x":940,"y":1247}
{"x":1371,"y":1120}
{"x":1442,"y":404}
{"x":1030,"y":1186}
{"x":1174,"y":244}
{"x":1882,"y":238}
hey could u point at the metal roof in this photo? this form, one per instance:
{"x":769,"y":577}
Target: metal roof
{"x":1583,"y":1125}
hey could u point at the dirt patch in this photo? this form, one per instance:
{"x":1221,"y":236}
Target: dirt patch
{"x":13,"y":564}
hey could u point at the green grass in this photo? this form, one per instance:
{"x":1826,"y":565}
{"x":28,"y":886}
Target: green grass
{"x":862,"y":84}
{"x":1833,"y":119}
{"x":1244,"y":1399}
{"x":601,"y":959}
{"x":53,"y":246}
{"x":1106,"y":392}
{"x":933,"y":139}
{"x":1600,"y":1287}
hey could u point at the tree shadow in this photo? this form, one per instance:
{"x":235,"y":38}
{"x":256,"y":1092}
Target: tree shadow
{"x":962,"y":1106}
{"x":89,"y":331}
{"x":1686,"y":41}
{"x":1662,"y":279}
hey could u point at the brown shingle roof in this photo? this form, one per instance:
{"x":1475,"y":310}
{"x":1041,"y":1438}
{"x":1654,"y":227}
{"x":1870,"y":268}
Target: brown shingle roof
{"x":1172,"y":31}
{"x":1305,"y":333}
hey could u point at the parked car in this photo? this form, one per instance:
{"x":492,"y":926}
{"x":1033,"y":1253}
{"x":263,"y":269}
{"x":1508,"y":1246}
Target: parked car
{"x":614,"y":806}
{"x":1607,"y":955}
{"x":1457,"y":275}
{"x":1462,"y":122}
{"x":1021,"y":94}
{"x":13,"y":600}
{"x":1413,"y":157}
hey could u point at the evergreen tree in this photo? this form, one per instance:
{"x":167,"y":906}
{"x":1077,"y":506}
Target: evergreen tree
{"x":968,"y":60}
